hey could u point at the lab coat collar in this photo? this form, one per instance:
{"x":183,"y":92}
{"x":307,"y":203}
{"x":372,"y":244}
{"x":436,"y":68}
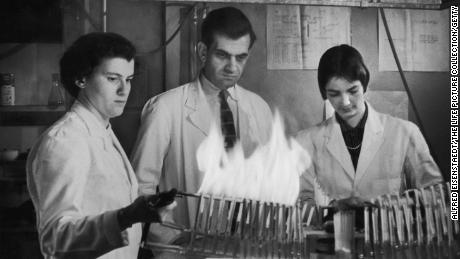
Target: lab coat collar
{"x":94,"y":126}
{"x":372,"y":140}
{"x":98,"y":130}
{"x":198,"y":111}
{"x":336,"y":146}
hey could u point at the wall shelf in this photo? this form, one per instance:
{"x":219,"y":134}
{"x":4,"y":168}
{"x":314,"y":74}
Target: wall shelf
{"x":18,"y":229}
{"x":30,"y":115}
{"x":14,"y":163}
{"x":12,"y":179}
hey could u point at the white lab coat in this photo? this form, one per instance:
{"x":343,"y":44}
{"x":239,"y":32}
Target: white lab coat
{"x":78,"y":177}
{"x":173,"y":125}
{"x":394,"y":156}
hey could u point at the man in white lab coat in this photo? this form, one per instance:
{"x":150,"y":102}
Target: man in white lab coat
{"x":173,"y":124}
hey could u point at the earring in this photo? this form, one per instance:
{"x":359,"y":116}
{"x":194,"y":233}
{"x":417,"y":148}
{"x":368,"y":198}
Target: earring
{"x":80,"y":83}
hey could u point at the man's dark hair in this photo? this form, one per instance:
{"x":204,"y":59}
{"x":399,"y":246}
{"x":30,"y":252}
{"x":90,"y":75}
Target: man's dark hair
{"x":227,"y":21}
{"x":88,"y":52}
{"x":342,"y":61}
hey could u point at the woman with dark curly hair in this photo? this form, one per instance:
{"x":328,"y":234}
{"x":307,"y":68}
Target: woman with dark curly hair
{"x":81,"y":183}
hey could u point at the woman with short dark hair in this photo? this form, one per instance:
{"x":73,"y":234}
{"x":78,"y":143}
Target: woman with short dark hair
{"x":360,"y":152}
{"x":80,"y":181}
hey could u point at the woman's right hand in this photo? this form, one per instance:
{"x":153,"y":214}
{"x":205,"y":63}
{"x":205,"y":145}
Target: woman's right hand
{"x":151,"y":208}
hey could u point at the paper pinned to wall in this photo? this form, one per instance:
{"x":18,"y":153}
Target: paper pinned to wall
{"x":284,"y":49}
{"x":298,"y":36}
{"x":322,"y":28}
{"x":420,"y":38}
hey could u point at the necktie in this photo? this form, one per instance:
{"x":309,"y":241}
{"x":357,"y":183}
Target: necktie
{"x":228,"y":131}
{"x":226,"y":121}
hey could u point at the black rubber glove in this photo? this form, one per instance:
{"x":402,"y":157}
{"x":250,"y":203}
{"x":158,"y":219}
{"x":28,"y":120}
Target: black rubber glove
{"x":351,"y":203}
{"x":145,"y":209}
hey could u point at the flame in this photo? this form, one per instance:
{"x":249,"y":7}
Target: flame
{"x":270,"y":174}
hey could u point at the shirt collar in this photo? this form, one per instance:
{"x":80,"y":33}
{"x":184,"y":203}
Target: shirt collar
{"x":209,"y":89}
{"x":345,"y":127}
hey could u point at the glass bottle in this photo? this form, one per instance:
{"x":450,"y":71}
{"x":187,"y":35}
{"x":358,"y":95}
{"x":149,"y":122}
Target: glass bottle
{"x":7,"y":89}
{"x":56,"y":97}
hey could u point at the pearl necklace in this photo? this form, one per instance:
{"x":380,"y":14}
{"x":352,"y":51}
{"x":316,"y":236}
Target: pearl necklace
{"x":355,"y":147}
